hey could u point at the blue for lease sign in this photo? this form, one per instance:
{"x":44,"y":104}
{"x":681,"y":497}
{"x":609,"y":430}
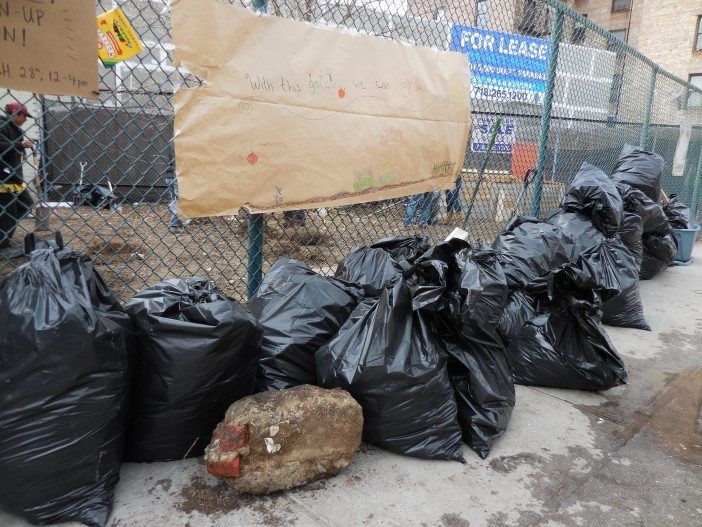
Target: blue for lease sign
{"x":504,"y":66}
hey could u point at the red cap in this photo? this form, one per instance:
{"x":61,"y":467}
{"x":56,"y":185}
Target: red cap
{"x":15,"y":107}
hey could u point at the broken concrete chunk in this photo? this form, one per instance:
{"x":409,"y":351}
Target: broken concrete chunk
{"x":282,"y":439}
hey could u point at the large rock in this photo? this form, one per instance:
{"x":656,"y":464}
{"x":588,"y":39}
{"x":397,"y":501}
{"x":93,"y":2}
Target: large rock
{"x":282,"y":439}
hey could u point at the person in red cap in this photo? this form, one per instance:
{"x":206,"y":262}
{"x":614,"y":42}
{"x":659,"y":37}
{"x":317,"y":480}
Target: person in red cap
{"x":15,"y":201}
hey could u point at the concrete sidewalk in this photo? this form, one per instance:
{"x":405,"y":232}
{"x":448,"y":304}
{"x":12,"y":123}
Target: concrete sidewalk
{"x":631,"y":456}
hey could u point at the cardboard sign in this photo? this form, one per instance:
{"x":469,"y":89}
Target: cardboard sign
{"x":117,"y":40}
{"x":291,"y":116}
{"x":48,"y":47}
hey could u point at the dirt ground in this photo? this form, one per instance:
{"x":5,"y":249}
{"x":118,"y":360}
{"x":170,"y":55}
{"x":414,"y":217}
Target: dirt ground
{"x":133,"y":247}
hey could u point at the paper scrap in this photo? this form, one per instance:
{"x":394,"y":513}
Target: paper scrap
{"x":291,"y":116}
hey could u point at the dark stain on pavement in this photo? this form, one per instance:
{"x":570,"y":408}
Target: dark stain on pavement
{"x":507,"y":464}
{"x":454,"y":520}
{"x":674,"y":417}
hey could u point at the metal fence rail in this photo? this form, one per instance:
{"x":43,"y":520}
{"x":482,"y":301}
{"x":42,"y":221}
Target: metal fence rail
{"x":594,"y":94}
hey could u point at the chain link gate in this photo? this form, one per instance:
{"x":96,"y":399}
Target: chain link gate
{"x":100,"y":172}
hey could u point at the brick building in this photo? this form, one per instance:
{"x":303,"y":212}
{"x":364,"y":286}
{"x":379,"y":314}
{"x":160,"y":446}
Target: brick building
{"x":666,"y":31}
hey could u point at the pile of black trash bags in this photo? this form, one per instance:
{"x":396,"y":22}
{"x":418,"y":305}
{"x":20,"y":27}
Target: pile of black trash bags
{"x":429,"y":339}
{"x":88,"y":383}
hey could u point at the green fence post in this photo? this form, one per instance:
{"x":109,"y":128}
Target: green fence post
{"x":546,"y":115}
{"x":696,"y":189}
{"x":255,"y":264}
{"x":645,"y":128}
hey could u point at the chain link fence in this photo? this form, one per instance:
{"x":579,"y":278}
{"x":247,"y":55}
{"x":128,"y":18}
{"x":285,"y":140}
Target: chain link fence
{"x":101,"y":171}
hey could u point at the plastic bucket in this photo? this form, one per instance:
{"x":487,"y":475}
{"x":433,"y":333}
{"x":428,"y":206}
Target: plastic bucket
{"x":686,"y":242}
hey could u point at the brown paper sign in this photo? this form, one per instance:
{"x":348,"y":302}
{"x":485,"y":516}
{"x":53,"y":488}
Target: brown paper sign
{"x":291,"y":116}
{"x":49,"y":46}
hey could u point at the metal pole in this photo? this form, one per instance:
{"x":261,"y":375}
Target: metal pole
{"x":255,"y":264}
{"x":696,"y":189}
{"x":491,"y":143}
{"x":645,"y":128}
{"x":254,"y":268}
{"x":555,"y":151}
{"x":546,"y":115}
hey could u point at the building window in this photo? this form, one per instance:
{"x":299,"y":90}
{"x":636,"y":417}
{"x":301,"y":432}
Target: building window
{"x":618,"y":34}
{"x":698,"y":33}
{"x":535,"y":20}
{"x":694,"y":98}
{"x":481,"y":14}
{"x":621,"y":5}
{"x":579,"y":33}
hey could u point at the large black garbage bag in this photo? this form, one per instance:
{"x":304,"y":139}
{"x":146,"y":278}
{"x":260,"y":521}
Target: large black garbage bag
{"x":641,"y":169}
{"x":389,"y":358}
{"x":578,"y":227}
{"x":614,"y":267}
{"x":482,"y":383}
{"x":631,"y":233}
{"x":299,"y":311}
{"x":658,"y":254}
{"x":475,"y":296}
{"x":376,"y":266}
{"x":475,"y":281}
{"x":678,"y":214}
{"x":198,"y":354}
{"x":403,"y":247}
{"x":530,"y":248}
{"x":653,"y":218}
{"x":565,"y":346}
{"x":63,"y":401}
{"x":79,"y":268}
{"x":594,"y":194}
{"x":520,"y":308}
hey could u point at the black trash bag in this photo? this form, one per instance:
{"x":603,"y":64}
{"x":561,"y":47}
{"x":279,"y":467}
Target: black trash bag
{"x":389,"y":358}
{"x":641,"y":169}
{"x":299,"y":311}
{"x":198,"y":354}
{"x":520,"y":308}
{"x":578,"y":227}
{"x":64,"y":373}
{"x":403,"y":247}
{"x":631,"y":233}
{"x":594,"y":194}
{"x":614,"y":267}
{"x":475,"y":279}
{"x":611,"y":264}
{"x":74,"y":263}
{"x":658,"y":254}
{"x":482,"y":381}
{"x":678,"y":214}
{"x":94,"y":195}
{"x":376,"y":266}
{"x":530,"y":248}
{"x":565,"y":346}
{"x":477,"y":363}
{"x":653,"y":218}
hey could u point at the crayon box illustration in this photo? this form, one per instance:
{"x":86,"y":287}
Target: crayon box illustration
{"x":117,"y":40}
